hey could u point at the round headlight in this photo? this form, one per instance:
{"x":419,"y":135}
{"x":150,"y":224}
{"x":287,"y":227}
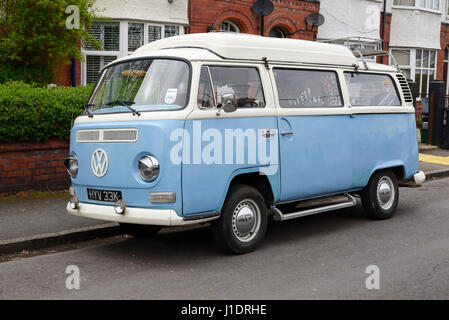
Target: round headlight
{"x":120,"y":207}
{"x":74,"y":203}
{"x":71,"y":164}
{"x":148,"y":168}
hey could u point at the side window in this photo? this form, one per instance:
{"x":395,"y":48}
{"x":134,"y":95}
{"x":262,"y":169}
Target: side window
{"x":371,"y":90}
{"x":243,"y":82}
{"x":307,"y":88}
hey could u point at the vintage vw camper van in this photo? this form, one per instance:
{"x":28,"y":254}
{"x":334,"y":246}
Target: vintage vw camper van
{"x":230,"y":129}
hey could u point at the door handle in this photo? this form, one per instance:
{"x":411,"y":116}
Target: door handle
{"x":284,"y":133}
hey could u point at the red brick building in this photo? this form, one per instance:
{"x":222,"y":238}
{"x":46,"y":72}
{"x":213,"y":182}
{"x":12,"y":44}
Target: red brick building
{"x":287,"y":19}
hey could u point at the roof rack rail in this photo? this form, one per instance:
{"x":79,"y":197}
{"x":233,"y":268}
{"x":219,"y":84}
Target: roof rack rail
{"x":355,"y":41}
{"x":374,"y":53}
{"x":360,"y":55}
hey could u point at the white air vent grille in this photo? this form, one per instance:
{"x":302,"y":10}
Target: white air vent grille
{"x":405,"y":88}
{"x":88,"y":135}
{"x":107,"y":135}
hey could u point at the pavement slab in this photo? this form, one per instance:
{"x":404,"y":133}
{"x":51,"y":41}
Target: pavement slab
{"x":30,"y":217}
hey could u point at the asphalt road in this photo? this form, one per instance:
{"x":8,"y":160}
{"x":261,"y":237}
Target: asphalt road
{"x":317,"y":257}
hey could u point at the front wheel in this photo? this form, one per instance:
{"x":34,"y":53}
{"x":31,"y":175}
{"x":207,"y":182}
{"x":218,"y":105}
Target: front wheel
{"x":381,"y":196}
{"x":243,"y":221}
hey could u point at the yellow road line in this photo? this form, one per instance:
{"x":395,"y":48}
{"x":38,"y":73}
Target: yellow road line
{"x":434,"y":159}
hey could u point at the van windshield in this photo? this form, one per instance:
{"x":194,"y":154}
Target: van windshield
{"x":146,"y":85}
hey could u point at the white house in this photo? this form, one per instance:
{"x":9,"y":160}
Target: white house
{"x":354,"y":23}
{"x":415,"y":28}
{"x":415,"y":38}
{"x":129,"y":24}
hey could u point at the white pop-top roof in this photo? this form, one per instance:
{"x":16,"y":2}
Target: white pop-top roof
{"x":238,"y":46}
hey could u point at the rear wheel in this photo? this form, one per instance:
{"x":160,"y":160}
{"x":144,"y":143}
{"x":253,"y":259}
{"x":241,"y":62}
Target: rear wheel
{"x":243,"y":220}
{"x":139,"y":230}
{"x":381,"y":196}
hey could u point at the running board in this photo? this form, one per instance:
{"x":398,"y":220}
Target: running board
{"x":279,"y":216}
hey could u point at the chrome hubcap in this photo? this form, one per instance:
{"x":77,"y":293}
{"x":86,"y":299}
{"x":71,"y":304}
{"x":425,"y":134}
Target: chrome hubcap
{"x":385,"y":193}
{"x":246,"y":220}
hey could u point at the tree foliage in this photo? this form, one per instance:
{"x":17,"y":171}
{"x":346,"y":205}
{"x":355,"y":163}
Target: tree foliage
{"x":34,"y":36}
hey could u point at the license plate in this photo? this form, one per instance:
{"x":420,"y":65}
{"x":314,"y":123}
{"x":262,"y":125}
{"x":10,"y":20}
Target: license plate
{"x":104,"y":195}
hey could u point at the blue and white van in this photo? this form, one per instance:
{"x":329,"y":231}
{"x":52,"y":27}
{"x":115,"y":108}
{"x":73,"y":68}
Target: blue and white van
{"x":229,"y":129}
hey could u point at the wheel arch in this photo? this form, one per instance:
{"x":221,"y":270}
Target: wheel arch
{"x":267,"y":185}
{"x":397,"y":167}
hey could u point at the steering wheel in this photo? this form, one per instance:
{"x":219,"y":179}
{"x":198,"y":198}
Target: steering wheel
{"x":247,"y":104}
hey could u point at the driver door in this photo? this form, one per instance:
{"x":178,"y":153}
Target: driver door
{"x":220,"y":144}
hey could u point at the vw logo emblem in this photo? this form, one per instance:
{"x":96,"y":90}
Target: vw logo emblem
{"x":99,"y":163}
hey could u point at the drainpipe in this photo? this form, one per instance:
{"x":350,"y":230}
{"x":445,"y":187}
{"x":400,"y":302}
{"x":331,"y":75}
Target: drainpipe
{"x":383,"y":27}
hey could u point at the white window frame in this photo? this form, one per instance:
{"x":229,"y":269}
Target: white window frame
{"x":127,"y":31}
{"x":123,"y":42}
{"x":171,"y":25}
{"x":145,"y":34}
{"x":418,"y":6}
{"x":412,"y":67}
{"x":236,"y":27}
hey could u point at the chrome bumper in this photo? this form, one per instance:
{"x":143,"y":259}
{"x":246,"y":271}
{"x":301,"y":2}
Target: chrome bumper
{"x":158,"y":217}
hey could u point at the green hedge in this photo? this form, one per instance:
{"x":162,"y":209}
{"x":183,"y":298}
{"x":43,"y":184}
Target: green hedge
{"x":32,"y":113}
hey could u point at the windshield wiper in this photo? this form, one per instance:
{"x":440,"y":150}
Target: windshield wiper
{"x":124,"y":104}
{"x":86,"y":109}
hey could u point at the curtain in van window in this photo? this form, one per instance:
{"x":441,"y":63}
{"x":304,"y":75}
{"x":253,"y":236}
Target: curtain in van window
{"x":371,"y":90}
{"x":298,"y":88}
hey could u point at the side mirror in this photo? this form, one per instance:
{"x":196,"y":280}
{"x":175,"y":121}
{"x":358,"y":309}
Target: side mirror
{"x":229,"y":104}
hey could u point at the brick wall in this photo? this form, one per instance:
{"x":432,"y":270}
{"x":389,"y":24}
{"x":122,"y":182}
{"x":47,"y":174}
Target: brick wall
{"x":33,"y":165}
{"x":63,"y":74}
{"x":289,"y":15}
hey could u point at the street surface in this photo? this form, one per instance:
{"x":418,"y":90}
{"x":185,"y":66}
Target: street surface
{"x":317,"y":257}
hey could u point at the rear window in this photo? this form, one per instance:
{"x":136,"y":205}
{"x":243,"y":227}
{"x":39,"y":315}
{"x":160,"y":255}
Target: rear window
{"x":371,"y":90}
{"x":299,"y":88}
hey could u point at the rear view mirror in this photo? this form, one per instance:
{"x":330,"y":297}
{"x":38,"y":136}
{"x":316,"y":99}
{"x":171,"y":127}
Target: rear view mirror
{"x":229,"y":104}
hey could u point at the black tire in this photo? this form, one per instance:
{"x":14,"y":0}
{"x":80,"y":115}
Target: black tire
{"x":246,"y":202}
{"x":374,"y":196}
{"x":139,"y":230}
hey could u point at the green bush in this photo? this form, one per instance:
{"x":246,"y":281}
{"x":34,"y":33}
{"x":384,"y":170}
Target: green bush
{"x":32,"y":113}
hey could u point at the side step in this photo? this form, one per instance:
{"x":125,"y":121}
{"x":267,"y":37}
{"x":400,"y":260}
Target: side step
{"x":279,"y":216}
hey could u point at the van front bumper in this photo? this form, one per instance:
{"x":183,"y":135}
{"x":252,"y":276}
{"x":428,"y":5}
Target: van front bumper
{"x":157,"y":217}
